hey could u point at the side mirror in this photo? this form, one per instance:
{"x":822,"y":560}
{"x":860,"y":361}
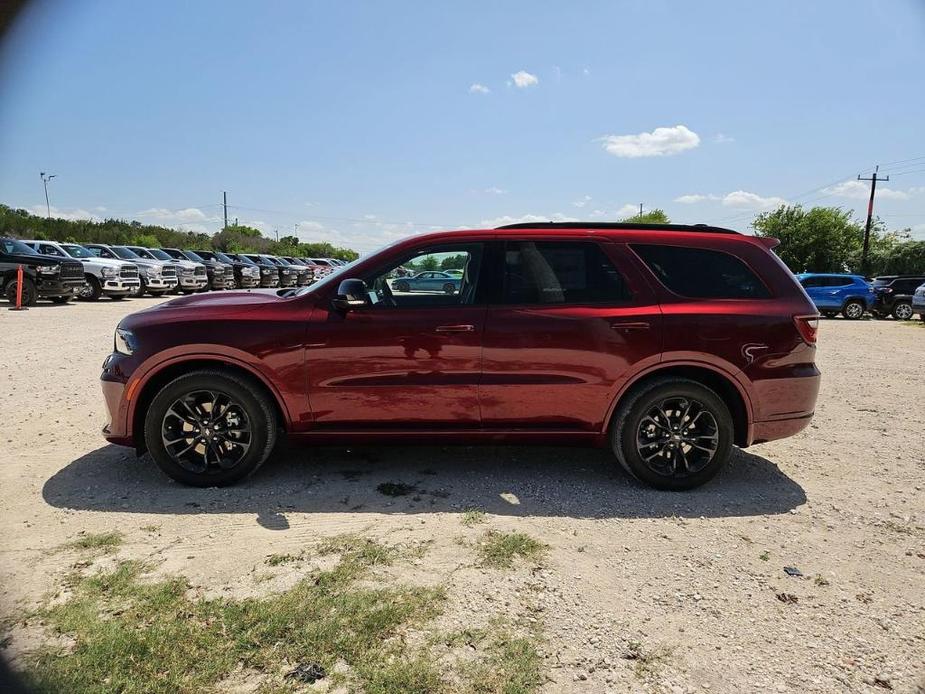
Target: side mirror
{"x":351,"y":295}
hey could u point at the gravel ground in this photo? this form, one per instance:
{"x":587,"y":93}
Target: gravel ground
{"x":639,"y":590}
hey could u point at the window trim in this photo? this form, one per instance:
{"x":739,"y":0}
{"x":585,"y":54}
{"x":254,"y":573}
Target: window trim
{"x":770,"y":294}
{"x":497,"y":294}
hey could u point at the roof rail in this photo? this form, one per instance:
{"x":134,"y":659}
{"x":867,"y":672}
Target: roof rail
{"x":627,"y":226}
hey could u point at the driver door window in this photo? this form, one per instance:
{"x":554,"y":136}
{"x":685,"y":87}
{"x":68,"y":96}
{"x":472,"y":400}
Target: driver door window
{"x":433,"y":277}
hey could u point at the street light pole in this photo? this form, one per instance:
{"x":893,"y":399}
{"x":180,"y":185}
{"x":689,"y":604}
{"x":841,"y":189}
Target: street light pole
{"x":45,"y":180}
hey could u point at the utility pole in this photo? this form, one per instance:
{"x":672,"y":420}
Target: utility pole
{"x":45,"y":180}
{"x":870,"y":214}
{"x":640,"y":208}
{"x":225,"y":207}
{"x":276,"y":231}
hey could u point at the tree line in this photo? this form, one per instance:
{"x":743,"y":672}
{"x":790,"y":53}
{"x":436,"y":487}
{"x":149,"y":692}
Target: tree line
{"x":819,"y":239}
{"x":235,"y":239}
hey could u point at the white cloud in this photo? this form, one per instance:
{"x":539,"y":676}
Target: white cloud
{"x":524,"y":79}
{"x":753,"y":201}
{"x":525,"y":219}
{"x":628,"y":210}
{"x":581,"y":202}
{"x":163,"y":214}
{"x":722,"y":139}
{"x":692,"y":198}
{"x":477,"y":88}
{"x":857,"y":190}
{"x":660,"y":142}
{"x":56,"y":213}
{"x":494,"y":190}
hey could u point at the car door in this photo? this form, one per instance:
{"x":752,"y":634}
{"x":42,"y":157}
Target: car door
{"x":407,"y":360}
{"x":572,"y":319}
{"x":815,"y":289}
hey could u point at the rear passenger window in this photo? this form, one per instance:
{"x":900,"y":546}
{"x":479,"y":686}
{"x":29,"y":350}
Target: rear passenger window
{"x":560,"y":272}
{"x":702,"y":274}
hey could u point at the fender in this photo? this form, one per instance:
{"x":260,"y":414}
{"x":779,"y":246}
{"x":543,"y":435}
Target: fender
{"x":728,"y":371}
{"x":156,"y":363}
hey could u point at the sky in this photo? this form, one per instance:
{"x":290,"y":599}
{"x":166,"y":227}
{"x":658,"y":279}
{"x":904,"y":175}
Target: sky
{"x":360,"y":123}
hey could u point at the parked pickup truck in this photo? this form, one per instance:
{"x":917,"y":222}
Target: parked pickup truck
{"x":116,"y":279}
{"x":219,"y":275}
{"x":192,"y":276}
{"x":156,"y":277}
{"x":44,"y":277}
{"x":246,"y":275}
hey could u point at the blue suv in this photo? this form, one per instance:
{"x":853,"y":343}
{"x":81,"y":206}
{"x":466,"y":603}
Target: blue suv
{"x":850,"y":295}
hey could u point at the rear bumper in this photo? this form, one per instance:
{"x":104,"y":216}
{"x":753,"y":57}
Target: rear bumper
{"x":779,"y":428}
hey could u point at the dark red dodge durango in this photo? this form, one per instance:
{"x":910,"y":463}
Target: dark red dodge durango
{"x":667,"y":343}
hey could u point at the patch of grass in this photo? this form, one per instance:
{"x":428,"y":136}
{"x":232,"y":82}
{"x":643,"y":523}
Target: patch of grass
{"x":647,"y":662}
{"x":473,"y":516}
{"x":765,"y":556}
{"x":100,"y":542}
{"x":821,"y":580}
{"x":396,"y":489}
{"x":134,"y":635}
{"x":150,"y":528}
{"x":498,"y":550}
{"x":278,"y":559}
{"x":510,"y":665}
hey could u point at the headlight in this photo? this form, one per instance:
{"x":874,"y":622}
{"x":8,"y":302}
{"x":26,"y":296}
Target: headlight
{"x":266,"y":270}
{"x":110,"y":272}
{"x":48,"y":269}
{"x":152,"y":271}
{"x":124,"y":341}
{"x":186,"y":271}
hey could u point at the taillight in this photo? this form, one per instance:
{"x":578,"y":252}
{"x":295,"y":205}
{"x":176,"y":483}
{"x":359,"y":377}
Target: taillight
{"x":887,"y":290}
{"x":807,"y":326}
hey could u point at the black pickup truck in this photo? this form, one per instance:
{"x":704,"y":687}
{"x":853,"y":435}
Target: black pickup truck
{"x":44,"y":277}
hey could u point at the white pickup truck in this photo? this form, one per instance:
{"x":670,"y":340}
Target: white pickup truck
{"x":116,"y":279}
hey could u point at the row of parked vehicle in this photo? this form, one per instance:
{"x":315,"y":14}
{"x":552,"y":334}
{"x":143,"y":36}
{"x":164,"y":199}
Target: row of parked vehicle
{"x":60,"y":271}
{"x":900,"y":296}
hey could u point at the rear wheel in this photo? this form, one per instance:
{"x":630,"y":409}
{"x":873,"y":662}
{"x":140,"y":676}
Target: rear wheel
{"x":210,"y":428}
{"x":902,"y":310}
{"x":449,"y":288}
{"x":853,"y":310}
{"x":673,"y":434}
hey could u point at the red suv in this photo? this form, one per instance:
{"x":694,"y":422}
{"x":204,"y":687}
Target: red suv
{"x":667,"y":343}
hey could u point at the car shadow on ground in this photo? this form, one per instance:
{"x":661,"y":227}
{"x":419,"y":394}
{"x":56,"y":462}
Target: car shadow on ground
{"x":514,"y":481}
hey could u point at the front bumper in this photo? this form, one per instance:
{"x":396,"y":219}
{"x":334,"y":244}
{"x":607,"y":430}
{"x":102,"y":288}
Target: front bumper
{"x":269,"y":281}
{"x":55,"y":286}
{"x":193,"y":282}
{"x":918,"y":305}
{"x":248,"y":282}
{"x":161,"y":283}
{"x":120,"y":285}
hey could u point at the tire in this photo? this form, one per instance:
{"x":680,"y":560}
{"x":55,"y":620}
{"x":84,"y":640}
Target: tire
{"x":853,"y":310}
{"x":60,"y":299}
{"x":672,"y":396}
{"x":156,"y":294}
{"x":254,"y":412}
{"x":902,"y":310}
{"x":92,"y":291}
{"x":829,"y":314}
{"x":117,"y":297}
{"x":449,"y":288}
{"x":142,"y":288}
{"x":29,"y":293}
{"x":402,"y":286}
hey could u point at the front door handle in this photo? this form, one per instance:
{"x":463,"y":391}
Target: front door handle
{"x":629,"y":326}
{"x":455,"y":328}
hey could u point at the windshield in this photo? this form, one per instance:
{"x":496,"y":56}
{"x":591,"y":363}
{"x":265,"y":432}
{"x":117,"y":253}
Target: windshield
{"x":191,"y":255}
{"x":76,"y":251}
{"x":158,"y":254}
{"x":882,"y":282}
{"x":125,"y":253}
{"x":339,"y":271}
{"x":12,"y":246}
{"x":244,"y":259}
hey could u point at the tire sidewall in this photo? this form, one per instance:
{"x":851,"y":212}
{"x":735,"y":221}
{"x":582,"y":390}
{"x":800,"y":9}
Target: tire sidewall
{"x":258,"y":409}
{"x":853,"y":303}
{"x":897,"y":305}
{"x":626,"y":423}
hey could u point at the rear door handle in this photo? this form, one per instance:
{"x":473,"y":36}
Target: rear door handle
{"x":629,"y":326}
{"x":455,"y":328}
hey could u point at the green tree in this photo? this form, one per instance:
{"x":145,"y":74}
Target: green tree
{"x":655,"y":216}
{"x":822,"y":239}
{"x":454,"y":262}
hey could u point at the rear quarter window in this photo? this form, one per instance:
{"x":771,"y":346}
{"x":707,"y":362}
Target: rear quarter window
{"x":699,"y":273}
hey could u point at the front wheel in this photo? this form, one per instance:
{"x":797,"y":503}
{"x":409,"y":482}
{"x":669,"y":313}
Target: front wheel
{"x":91,"y":290}
{"x":853,"y":310}
{"x":402,"y":286}
{"x":449,"y":288}
{"x":902,"y":310}
{"x":142,"y":288}
{"x":673,"y":434}
{"x":29,"y":293}
{"x":210,"y":428}
{"x":60,"y":299}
